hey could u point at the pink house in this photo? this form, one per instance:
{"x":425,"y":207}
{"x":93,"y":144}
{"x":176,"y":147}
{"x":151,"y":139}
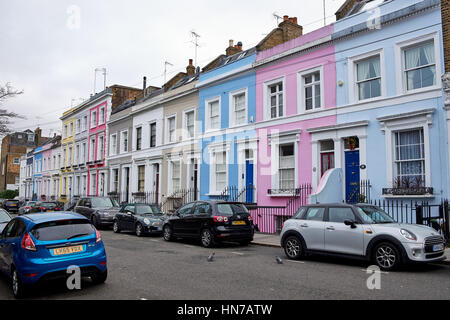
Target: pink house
{"x":98,"y":117}
{"x":295,"y":91}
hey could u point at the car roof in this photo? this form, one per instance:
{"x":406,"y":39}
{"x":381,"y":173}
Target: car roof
{"x":47,"y":217}
{"x":339,"y":205}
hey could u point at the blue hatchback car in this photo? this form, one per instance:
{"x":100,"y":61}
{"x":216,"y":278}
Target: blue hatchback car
{"x":39,"y":247}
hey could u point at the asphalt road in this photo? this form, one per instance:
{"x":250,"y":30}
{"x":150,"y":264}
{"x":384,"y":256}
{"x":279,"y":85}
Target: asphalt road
{"x":150,"y":268}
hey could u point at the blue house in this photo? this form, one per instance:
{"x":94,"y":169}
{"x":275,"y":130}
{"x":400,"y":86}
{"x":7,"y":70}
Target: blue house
{"x":37,"y":173}
{"x":227,"y":134}
{"x":391,"y":123}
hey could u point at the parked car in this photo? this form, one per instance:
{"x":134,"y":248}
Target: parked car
{"x":100,"y":210}
{"x":211,"y":222}
{"x":40,"y":247}
{"x":45,"y":207}
{"x":70,"y":205}
{"x":12,"y":206}
{"x":359,"y":231}
{"x":140,"y":218}
{"x":5,"y":218}
{"x":26,"y":208}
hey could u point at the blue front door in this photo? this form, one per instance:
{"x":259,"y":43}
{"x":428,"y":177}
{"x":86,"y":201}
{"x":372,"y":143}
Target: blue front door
{"x":249,"y":181}
{"x":351,"y":176}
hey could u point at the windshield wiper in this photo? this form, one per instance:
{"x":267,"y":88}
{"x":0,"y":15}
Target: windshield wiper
{"x":78,"y":235}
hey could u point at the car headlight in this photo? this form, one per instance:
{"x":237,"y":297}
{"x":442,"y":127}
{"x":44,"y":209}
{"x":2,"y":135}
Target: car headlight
{"x":408,"y":235}
{"x":146,"y":221}
{"x":156,"y":224}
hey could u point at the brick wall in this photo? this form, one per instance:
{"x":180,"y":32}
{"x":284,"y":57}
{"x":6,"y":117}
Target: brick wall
{"x":286,"y":31}
{"x":346,"y":7}
{"x":122,"y":94}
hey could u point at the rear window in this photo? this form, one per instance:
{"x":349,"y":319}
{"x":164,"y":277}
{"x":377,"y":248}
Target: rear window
{"x":8,"y":203}
{"x":48,"y":204}
{"x":62,"y":230}
{"x":4,"y":217}
{"x":228,"y":209}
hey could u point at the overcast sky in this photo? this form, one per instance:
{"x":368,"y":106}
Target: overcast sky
{"x":50,"y":54}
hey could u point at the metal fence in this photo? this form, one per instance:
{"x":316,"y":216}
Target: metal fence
{"x":232,"y":193}
{"x":360,"y":193}
{"x":270,"y":219}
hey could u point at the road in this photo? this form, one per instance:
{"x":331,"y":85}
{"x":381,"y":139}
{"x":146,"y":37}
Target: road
{"x":150,"y":268}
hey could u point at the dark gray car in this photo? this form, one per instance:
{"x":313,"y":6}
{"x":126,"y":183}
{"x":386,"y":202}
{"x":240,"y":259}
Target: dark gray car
{"x":100,"y":210}
{"x":5,"y":218}
{"x":140,"y":218}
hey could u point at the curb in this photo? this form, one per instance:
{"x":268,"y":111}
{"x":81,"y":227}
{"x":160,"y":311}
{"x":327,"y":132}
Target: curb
{"x":263,"y":244}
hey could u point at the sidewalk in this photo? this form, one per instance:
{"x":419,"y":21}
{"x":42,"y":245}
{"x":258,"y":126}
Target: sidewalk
{"x":273,"y":240}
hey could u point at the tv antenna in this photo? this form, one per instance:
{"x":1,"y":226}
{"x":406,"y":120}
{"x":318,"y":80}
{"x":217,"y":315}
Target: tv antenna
{"x":166,"y":63}
{"x":195,"y":42}
{"x":104,"y":77}
{"x":277,"y":16}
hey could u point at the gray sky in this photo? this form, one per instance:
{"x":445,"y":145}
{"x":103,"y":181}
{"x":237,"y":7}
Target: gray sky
{"x":52,"y":58}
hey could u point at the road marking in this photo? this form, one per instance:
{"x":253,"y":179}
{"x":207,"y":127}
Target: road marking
{"x":238,"y":253}
{"x":302,"y":262}
{"x":383,"y":272}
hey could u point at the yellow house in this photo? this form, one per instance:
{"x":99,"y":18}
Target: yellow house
{"x":67,"y":146}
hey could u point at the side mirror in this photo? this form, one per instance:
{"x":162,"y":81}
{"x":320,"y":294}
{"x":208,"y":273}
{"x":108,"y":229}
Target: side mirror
{"x":129,"y":212}
{"x":350,"y":223}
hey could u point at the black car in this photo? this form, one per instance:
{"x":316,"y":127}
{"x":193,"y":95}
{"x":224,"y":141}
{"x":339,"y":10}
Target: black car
{"x":140,"y":218}
{"x":5,"y":218}
{"x":100,"y":210}
{"x":12,"y":206}
{"x":211,"y":222}
{"x":45,"y":206}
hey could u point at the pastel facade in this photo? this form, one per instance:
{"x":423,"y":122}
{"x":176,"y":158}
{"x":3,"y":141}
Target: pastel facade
{"x":68,"y":133}
{"x":391,"y":101}
{"x":227,"y":114}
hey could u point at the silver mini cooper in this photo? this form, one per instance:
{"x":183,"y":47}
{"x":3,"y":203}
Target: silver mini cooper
{"x":359,"y":231}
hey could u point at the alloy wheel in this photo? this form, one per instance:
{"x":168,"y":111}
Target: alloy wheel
{"x":386,"y":256}
{"x":206,"y":238}
{"x":15,"y":283}
{"x":293,"y":248}
{"x":116,"y":227}
{"x":167,"y":233}
{"x":138,"y":229}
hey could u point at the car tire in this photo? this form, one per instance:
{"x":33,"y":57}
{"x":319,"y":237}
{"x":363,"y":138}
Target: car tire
{"x":116,"y":228}
{"x":386,"y":256}
{"x":167,"y":233}
{"x":100,"y":277}
{"x":293,"y":248}
{"x":139,"y":230}
{"x":207,"y":238}
{"x":18,"y":288}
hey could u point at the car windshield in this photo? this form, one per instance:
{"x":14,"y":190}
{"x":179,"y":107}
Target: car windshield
{"x":103,"y":203}
{"x":62,"y":230}
{"x":47,"y":204}
{"x":4,"y":217}
{"x":372,"y":214}
{"x":148,"y":209}
{"x":229,"y":209}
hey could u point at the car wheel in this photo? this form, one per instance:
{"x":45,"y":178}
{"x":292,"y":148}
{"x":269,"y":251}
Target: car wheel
{"x":386,"y":256}
{"x":100,"y":277}
{"x":116,"y":228}
{"x":139,"y":230}
{"x":207,"y":238}
{"x":293,"y":248}
{"x":167,"y":233}
{"x":18,"y":288}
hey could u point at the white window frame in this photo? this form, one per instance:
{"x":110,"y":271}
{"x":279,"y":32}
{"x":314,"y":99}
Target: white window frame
{"x":136,"y":136}
{"x":353,"y":75}
{"x":93,"y":125}
{"x":92,"y":153}
{"x":266,"y":100}
{"x":185,"y":128}
{"x":122,"y":149}
{"x":276,"y":140}
{"x":100,"y":142}
{"x":78,"y":126}
{"x":85,"y":123}
{"x":167,"y":133}
{"x":112,"y":147}
{"x":101,"y":116}
{"x":421,"y":120}
{"x":213,"y":149}
{"x":402,"y":87}
{"x":71,"y":129}
{"x":232,"y":114}
{"x":150,"y":134}
{"x":301,"y":89}
{"x":208,"y":113}
{"x":171,"y":189}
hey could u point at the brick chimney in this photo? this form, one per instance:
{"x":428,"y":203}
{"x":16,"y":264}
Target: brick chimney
{"x":190,"y":69}
{"x":445,"y":12}
{"x":233,"y":49}
{"x":287,"y":30}
{"x":38,"y":133}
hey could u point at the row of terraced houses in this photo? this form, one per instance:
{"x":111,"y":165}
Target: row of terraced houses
{"x":353,"y":111}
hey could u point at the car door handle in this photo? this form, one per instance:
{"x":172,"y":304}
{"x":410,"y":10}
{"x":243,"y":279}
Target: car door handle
{"x":330,"y":228}
{"x":304,"y":225}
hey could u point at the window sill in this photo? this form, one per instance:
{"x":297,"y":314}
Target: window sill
{"x":213,"y":194}
{"x":424,"y":196}
{"x":279,"y":195}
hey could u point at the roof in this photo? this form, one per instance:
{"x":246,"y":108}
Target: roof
{"x":225,"y":60}
{"x":45,"y":217}
{"x":185,"y":80}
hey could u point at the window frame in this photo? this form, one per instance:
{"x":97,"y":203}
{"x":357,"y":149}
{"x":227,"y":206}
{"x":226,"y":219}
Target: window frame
{"x":232,"y":113}
{"x":208,"y":113}
{"x":301,"y":89}
{"x":186,"y":135}
{"x":266,"y":99}
{"x":122,"y":140}
{"x":168,"y":137}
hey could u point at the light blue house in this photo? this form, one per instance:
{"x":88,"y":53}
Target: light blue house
{"x":37,"y":173}
{"x":227,"y":134}
{"x":391,"y":123}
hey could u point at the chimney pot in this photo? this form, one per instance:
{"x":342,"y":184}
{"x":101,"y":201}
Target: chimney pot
{"x":295,"y":20}
{"x":285,"y":18}
{"x":190,"y":62}
{"x":231,"y":42}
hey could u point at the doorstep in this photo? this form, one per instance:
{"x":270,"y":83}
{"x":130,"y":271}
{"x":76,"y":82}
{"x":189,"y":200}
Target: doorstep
{"x":273,"y":240}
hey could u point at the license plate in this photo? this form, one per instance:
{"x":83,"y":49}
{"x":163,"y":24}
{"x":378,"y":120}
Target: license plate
{"x":238,"y":223}
{"x":67,"y":250}
{"x":50,"y":211}
{"x":13,"y":205}
{"x":438,"y":247}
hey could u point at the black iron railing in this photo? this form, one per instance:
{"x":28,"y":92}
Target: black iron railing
{"x":418,"y":191}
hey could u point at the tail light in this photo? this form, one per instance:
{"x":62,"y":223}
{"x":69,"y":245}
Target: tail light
{"x":56,"y":209}
{"x":28,"y":243}
{"x":250,"y":218}
{"x":42,"y":208}
{"x":98,"y":236}
{"x":27,"y":208}
{"x":220,"y":219}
